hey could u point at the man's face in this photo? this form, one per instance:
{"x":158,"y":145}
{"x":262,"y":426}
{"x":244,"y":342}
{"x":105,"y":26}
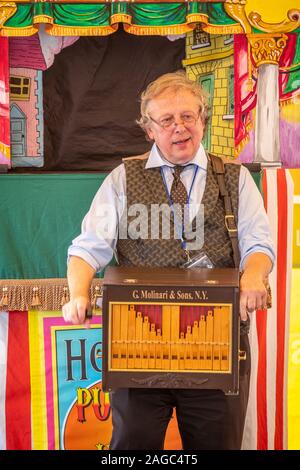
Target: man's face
{"x":179,"y":142}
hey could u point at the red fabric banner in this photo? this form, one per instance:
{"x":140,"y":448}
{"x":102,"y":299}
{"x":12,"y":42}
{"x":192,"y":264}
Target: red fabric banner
{"x":4,"y":103}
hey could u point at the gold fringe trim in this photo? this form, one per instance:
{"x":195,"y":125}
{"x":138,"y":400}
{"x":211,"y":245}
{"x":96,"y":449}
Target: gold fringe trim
{"x":197,"y":18}
{"x":42,"y":19}
{"x":244,"y":141}
{"x":249,"y":126}
{"x":120,"y":18}
{"x":81,"y":30}
{"x":40,"y":294}
{"x":239,"y":148}
{"x":224,"y":29}
{"x":213,"y":29}
{"x":57,"y":30}
{"x":158,"y":30}
{"x":5,"y":149}
{"x":13,"y":32}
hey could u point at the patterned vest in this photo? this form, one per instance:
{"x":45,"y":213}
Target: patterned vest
{"x":146,"y":187}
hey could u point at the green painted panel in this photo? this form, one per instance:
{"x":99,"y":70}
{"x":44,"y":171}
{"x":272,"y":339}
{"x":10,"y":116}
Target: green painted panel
{"x":40,"y":216}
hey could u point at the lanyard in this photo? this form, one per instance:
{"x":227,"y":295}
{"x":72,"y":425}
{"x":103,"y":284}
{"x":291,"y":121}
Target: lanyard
{"x":176,"y":224}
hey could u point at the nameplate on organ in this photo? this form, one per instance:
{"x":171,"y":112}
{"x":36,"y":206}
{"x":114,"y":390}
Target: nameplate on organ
{"x":171,"y":328}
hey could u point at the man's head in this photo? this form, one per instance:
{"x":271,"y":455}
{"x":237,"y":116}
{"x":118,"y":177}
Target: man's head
{"x":174,"y":114}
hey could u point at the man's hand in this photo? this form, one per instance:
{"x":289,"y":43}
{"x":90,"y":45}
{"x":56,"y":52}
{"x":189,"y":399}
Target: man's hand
{"x":75,"y":310}
{"x":80,"y":276}
{"x":253,"y":292}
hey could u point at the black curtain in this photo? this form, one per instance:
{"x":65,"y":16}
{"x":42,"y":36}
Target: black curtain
{"x":91,"y":98}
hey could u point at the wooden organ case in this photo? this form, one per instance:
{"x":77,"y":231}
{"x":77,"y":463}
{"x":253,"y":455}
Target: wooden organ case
{"x":171,"y":328}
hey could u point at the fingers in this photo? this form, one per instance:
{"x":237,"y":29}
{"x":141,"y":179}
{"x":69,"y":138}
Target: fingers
{"x":81,"y":311}
{"x":70,"y":313}
{"x":253,"y":294}
{"x":251,"y":301}
{"x":261,"y":302}
{"x":75,"y":311}
{"x":243,"y":306}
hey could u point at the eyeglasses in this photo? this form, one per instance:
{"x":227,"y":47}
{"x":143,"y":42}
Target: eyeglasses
{"x":187,"y":119}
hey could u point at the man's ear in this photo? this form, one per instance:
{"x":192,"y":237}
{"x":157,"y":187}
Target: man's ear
{"x":149,"y":133}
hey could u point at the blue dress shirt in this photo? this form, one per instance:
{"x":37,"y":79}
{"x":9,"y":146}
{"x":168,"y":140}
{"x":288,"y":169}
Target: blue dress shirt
{"x":99,"y":232}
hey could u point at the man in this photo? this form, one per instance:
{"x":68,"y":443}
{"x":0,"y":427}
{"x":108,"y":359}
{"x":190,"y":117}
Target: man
{"x":173,"y":115}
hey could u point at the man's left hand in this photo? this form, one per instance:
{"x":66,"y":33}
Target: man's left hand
{"x":253,"y":294}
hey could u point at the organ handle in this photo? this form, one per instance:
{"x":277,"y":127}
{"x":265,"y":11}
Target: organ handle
{"x":242,"y":355}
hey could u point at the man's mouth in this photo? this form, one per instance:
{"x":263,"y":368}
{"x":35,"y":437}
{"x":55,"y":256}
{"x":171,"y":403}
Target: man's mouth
{"x":182,"y":141}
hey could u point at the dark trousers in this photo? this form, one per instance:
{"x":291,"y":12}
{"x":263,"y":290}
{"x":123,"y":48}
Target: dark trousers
{"x":207,"y":419}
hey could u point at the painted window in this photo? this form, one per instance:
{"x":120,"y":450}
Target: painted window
{"x":19,"y":87}
{"x":200,"y":38}
{"x":230,"y":108}
{"x":228,"y":40}
{"x":207,"y":83}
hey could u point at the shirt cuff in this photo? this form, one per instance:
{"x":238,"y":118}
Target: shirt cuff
{"x":266,"y":251}
{"x":80,"y":253}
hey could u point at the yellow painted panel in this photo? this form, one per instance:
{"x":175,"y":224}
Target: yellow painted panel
{"x":37,"y":381}
{"x":271,"y":11}
{"x":218,"y":150}
{"x":296,"y":237}
{"x":228,"y":151}
{"x":294,"y":366}
{"x":296,"y":178}
{"x":290,"y":112}
{"x":223,"y":141}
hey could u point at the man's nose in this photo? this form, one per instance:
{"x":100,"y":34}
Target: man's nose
{"x":179,"y":123}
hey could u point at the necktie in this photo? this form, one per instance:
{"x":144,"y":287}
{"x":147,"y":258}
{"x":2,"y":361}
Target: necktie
{"x":178,"y":194}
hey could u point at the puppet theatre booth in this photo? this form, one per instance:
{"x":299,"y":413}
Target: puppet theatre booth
{"x":70,"y":79}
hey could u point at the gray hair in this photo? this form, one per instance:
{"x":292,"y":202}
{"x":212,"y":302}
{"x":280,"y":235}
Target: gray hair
{"x":172,"y":81}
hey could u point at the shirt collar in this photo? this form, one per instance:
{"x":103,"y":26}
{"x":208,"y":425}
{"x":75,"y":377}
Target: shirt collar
{"x":156,"y":160}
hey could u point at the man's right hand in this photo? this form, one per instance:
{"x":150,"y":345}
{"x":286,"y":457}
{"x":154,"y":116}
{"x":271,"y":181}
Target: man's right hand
{"x":80,"y":276}
{"x":75,"y":310}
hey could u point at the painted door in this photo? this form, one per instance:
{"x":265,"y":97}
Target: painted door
{"x":207,"y":83}
{"x":17,"y":132}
